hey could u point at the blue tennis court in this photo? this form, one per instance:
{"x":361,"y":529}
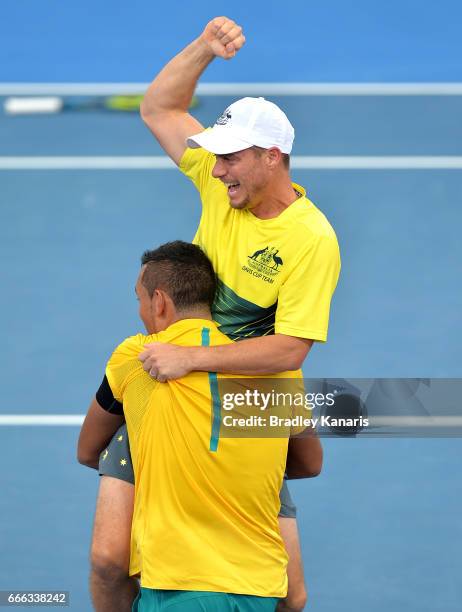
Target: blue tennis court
{"x":380,"y":528}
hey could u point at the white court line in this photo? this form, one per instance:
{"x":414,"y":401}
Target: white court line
{"x":415,"y":421}
{"x":377,"y":162}
{"x":241,"y":89}
{"x":161,"y":162}
{"x":77,"y":419}
{"x":41,"y":419}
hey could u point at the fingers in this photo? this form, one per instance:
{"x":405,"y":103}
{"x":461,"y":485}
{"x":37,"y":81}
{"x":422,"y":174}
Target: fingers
{"x":155,"y":374}
{"x":150,"y":364}
{"x":147,"y":363}
{"x":230,"y":51}
{"x":233,"y":47}
{"x":146,"y":353}
{"x":238,"y":43}
{"x":228,"y":34}
{"x":217,"y":23}
{"x":163,"y":361}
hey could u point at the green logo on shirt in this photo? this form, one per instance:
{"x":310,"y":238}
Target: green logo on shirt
{"x":265,"y":261}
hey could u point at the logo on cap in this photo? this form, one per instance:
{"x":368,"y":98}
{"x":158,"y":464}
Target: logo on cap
{"x":224,"y":117}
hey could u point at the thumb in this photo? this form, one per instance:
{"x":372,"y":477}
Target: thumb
{"x":230,"y":49}
{"x":146,"y":353}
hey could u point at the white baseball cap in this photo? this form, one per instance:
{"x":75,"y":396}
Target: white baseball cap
{"x":246,"y":123}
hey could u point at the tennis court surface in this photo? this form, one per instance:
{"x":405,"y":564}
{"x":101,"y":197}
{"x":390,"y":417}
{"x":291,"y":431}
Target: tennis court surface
{"x":380,"y":527}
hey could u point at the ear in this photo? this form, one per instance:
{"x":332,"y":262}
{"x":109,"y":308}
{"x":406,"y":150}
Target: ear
{"x":273,"y":157}
{"x":158,"y":302}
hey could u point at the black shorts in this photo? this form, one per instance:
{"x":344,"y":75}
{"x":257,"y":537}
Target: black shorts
{"x":116,"y":461}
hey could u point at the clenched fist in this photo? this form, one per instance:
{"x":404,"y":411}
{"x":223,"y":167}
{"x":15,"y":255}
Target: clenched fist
{"x":223,"y":36}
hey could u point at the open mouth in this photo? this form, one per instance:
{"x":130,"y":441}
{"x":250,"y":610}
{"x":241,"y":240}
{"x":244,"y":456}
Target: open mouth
{"x":233,"y":189}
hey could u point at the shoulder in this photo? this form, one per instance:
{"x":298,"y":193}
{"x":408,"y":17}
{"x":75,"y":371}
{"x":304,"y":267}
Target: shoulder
{"x":197,"y":165}
{"x":311,"y":235}
{"x":130,"y":348}
{"x":313,"y":238}
{"x":314,"y":223}
{"x":194,"y":158}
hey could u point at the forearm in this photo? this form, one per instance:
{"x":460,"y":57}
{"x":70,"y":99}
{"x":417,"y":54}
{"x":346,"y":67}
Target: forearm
{"x":173,"y":88}
{"x":98,"y":428}
{"x":111,"y":591}
{"x":304,"y":456}
{"x":264,"y":355}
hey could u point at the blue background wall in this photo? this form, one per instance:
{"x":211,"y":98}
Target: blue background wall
{"x":297,"y":40}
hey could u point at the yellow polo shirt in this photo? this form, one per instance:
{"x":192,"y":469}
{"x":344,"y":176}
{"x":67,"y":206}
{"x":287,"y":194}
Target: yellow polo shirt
{"x":275,"y":275}
{"x":206,"y":507}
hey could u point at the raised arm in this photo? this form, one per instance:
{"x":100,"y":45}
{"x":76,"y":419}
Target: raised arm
{"x":165,"y":106}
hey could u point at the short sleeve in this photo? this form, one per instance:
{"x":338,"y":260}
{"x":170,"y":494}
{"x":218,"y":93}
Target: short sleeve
{"x":105,"y":398}
{"x":197,"y":165}
{"x":124,"y":364}
{"x":305,"y":296}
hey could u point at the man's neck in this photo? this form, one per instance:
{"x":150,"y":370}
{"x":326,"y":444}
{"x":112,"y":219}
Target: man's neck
{"x":194,"y":313}
{"x":173,"y":317}
{"x":275,"y":201}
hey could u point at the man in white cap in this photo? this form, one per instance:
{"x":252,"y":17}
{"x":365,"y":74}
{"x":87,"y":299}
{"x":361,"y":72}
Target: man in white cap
{"x":270,"y":246}
{"x":275,"y":254}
